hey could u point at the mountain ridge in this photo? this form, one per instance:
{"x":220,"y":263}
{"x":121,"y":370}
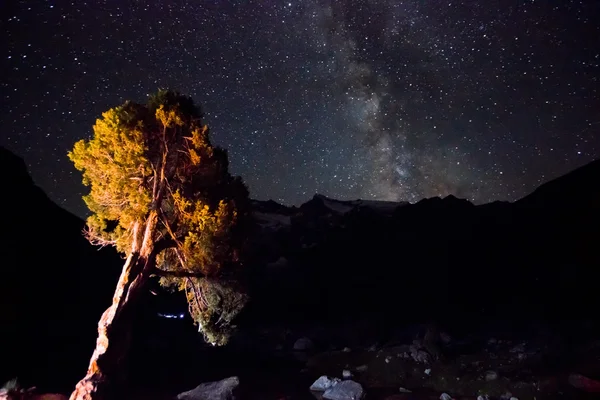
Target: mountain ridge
{"x":327,"y":260}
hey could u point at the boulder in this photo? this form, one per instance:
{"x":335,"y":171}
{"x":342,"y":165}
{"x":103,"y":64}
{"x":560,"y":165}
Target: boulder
{"x":303,"y":344}
{"x":345,"y":390}
{"x":324,"y":383}
{"x":491,"y":376}
{"x":220,"y":390}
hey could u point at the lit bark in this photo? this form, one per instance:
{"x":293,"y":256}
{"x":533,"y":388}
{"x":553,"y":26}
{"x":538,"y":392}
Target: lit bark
{"x":114,"y":327}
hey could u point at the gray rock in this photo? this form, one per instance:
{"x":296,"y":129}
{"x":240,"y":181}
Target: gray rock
{"x":404,"y":390}
{"x":362,"y":368}
{"x":345,"y":390}
{"x":346,"y":374}
{"x":220,"y":390}
{"x":421,"y":356}
{"x":280,"y":263}
{"x":520,"y":348}
{"x":491,"y":376}
{"x":445,"y":338}
{"x":445,"y":396}
{"x":303,"y":344}
{"x":324,"y":383}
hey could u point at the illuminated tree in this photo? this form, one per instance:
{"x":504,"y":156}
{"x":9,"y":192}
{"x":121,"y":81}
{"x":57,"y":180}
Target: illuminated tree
{"x":161,"y":193}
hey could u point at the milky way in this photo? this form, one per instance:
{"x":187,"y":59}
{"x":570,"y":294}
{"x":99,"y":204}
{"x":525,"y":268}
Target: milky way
{"x":372,"y":99}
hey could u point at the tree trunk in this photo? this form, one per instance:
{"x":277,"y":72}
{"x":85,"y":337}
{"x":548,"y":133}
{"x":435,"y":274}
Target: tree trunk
{"x":114,"y":327}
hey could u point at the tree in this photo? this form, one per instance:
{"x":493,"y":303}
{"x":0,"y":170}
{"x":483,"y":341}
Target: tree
{"x":161,"y":193}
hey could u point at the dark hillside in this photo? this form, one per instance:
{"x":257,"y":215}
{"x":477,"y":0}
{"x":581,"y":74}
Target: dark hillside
{"x":54,"y":284}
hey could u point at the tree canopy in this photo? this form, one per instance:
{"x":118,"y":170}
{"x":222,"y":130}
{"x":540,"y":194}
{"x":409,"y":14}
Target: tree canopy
{"x":153,"y":173}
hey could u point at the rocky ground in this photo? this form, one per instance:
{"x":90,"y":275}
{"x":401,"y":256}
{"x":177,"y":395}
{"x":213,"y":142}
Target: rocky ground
{"x":499,"y":369}
{"x":281,"y":364}
{"x":535,"y":366}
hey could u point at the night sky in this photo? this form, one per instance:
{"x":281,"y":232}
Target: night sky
{"x":372,"y":99}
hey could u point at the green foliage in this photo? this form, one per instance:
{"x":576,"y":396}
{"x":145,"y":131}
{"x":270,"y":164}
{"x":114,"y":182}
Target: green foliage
{"x":214,"y":304}
{"x":158,"y":159}
{"x":115,"y":165}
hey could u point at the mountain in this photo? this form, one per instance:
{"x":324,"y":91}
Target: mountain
{"x":577,"y":189}
{"x":371,"y":265}
{"x":54,"y":284}
{"x":442,"y":259}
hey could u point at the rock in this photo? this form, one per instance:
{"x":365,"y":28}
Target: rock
{"x":324,"y":383}
{"x":220,"y":390}
{"x":346,"y":374}
{"x":520,"y":348}
{"x":506,"y":396}
{"x":584,"y":383}
{"x":303,"y":344}
{"x":514,"y":398}
{"x":484,"y":397}
{"x":280,"y":263}
{"x":428,"y":371}
{"x":445,"y":338}
{"x":362,"y":368}
{"x":346,"y":349}
{"x":491,"y":376}
{"x":445,"y":396}
{"x":388,"y":359}
{"x":421,"y":356}
{"x":12,"y":391}
{"x":345,"y":390}
{"x":404,"y":390}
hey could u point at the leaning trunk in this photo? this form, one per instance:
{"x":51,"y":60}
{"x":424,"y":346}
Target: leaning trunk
{"x":114,"y":327}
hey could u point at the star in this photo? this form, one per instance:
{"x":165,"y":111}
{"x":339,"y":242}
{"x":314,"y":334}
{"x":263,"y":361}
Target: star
{"x":367,"y":99}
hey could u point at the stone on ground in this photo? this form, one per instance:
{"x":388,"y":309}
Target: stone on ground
{"x":220,"y":390}
{"x":345,"y":390}
{"x":324,"y":383}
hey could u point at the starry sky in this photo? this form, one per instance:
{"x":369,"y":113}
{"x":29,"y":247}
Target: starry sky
{"x":371,"y":99}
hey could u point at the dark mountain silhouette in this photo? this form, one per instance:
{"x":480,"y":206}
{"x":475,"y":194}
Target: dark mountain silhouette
{"x":389,"y":264}
{"x":54,"y":284}
{"x":441,"y":259}
{"x":576,"y":190}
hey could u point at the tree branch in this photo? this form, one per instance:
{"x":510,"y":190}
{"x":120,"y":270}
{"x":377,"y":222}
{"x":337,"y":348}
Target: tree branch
{"x":97,"y":240}
{"x":164,"y":243}
{"x":177,"y":274}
